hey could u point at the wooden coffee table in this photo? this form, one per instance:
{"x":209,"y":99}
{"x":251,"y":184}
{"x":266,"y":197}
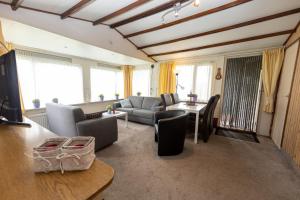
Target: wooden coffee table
{"x":118,"y":114}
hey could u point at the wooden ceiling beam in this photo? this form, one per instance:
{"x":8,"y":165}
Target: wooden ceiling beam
{"x":192,"y":17}
{"x":148,"y":13}
{"x":15,"y":4}
{"x":80,"y":5}
{"x":227,"y":43}
{"x":235,"y":26}
{"x":121,"y":11}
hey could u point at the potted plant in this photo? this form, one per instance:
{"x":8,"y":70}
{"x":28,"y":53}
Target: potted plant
{"x":139,"y":93}
{"x":117,"y":96}
{"x":36,"y":103}
{"x":101,"y":96}
{"x":109,"y":109}
{"x":55,"y":100}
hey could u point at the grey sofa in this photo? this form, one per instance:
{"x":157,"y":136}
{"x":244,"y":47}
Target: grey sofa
{"x":70,"y":121}
{"x":141,"y":109}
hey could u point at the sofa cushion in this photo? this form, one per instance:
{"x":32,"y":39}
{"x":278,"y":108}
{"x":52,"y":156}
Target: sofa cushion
{"x":136,"y":101}
{"x":128,"y":110}
{"x":143,"y":113}
{"x":125,"y":103}
{"x":150,"y":102}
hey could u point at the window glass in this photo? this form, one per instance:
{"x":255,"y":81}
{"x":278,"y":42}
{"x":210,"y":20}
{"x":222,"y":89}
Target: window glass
{"x":203,"y":82}
{"x":185,"y":80}
{"x":141,"y":82}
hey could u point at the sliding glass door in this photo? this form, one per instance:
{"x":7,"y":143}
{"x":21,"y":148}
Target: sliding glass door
{"x":241,"y":89}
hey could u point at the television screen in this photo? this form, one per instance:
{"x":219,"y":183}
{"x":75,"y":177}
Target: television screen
{"x":10,"y":107}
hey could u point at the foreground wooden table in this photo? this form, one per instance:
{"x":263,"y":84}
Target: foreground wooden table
{"x":18,"y":181}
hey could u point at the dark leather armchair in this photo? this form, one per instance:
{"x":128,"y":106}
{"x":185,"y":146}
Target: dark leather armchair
{"x":170,"y":129}
{"x":166,"y":100}
{"x":175,"y":98}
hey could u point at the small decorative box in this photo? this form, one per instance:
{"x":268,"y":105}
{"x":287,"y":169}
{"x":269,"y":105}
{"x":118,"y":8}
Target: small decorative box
{"x":44,"y":155}
{"x":78,"y":153}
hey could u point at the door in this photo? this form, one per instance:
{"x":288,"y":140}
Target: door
{"x":283,"y":94}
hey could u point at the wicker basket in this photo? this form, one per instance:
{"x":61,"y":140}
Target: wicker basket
{"x":44,"y":155}
{"x":78,"y":153}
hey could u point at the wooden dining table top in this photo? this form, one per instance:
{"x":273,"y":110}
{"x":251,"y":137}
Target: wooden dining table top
{"x":18,"y":180}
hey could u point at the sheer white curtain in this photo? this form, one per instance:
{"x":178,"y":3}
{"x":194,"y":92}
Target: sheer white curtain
{"x":203,"y":82}
{"x":185,"y":75}
{"x":195,"y":78}
{"x":108,"y":82}
{"x":45,"y":77}
{"x":141,"y":82}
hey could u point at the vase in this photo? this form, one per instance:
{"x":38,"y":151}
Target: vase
{"x":36,"y":105}
{"x":109,"y":111}
{"x":101,"y":98}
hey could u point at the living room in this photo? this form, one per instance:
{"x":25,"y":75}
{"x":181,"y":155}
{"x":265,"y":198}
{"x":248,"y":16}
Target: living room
{"x":172,"y":102}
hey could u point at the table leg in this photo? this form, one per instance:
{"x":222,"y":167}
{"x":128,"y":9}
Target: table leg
{"x":196,"y":128}
{"x":126,"y":120}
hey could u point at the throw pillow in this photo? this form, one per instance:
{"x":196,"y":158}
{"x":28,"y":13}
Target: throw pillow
{"x":125,"y":103}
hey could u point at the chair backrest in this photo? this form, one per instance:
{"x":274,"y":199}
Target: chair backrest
{"x":175,"y":98}
{"x":211,"y":117}
{"x":62,"y":119}
{"x":166,"y":99}
{"x":206,"y":123}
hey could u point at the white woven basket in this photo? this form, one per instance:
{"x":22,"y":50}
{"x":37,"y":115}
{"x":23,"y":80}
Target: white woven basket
{"x":78,"y":153}
{"x":44,"y":155}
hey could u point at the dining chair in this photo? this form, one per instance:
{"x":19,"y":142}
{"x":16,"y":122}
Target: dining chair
{"x":175,"y":98}
{"x":166,"y":100}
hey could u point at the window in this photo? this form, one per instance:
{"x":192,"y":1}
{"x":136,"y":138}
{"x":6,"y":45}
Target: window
{"x":46,"y":77}
{"x":203,"y":82}
{"x":185,"y":80}
{"x":141,"y":82}
{"x":108,"y":82}
{"x":195,"y":79}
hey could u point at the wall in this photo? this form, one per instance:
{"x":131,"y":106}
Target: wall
{"x":219,"y":61}
{"x":291,"y":135}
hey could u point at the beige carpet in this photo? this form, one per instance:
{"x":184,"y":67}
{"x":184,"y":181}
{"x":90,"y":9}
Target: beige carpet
{"x":223,"y":168}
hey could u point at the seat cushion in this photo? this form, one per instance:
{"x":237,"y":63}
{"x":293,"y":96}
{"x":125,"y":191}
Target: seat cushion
{"x":128,"y":110}
{"x":136,"y":101}
{"x":150,"y":102}
{"x":144,"y":113}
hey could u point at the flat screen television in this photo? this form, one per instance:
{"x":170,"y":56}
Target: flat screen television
{"x":10,"y":106}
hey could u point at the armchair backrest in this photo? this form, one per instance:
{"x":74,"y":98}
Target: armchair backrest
{"x":62,"y":119}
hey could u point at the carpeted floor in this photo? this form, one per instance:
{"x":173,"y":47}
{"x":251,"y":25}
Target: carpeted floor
{"x":223,"y":168}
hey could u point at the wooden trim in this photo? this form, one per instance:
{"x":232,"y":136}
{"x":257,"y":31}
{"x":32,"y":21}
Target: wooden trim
{"x":295,"y":29}
{"x":148,"y":13}
{"x":80,"y":5}
{"x":135,"y":45}
{"x":239,"y":25}
{"x":192,"y":17}
{"x":290,"y":93}
{"x":121,"y":11}
{"x":15,"y":4}
{"x":226,"y":43}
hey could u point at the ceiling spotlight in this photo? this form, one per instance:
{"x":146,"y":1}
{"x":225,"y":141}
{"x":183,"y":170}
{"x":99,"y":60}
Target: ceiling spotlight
{"x":196,"y":3}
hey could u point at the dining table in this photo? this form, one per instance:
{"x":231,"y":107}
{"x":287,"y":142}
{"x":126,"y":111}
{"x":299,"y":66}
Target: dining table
{"x":190,"y":109}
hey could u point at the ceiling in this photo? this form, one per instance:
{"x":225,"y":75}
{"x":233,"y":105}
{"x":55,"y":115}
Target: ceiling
{"x":216,"y":26}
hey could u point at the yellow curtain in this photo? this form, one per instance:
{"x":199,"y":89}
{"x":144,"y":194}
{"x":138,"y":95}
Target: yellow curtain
{"x":128,"y":74}
{"x":4,"y":48}
{"x":167,"y":79}
{"x":271,"y":67}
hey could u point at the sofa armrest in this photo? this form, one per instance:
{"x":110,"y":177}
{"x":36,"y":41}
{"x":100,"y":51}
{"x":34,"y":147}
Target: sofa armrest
{"x":105,"y":130}
{"x":116,"y":105}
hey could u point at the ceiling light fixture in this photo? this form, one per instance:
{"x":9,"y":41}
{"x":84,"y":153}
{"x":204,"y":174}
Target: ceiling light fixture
{"x":178,"y":6}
